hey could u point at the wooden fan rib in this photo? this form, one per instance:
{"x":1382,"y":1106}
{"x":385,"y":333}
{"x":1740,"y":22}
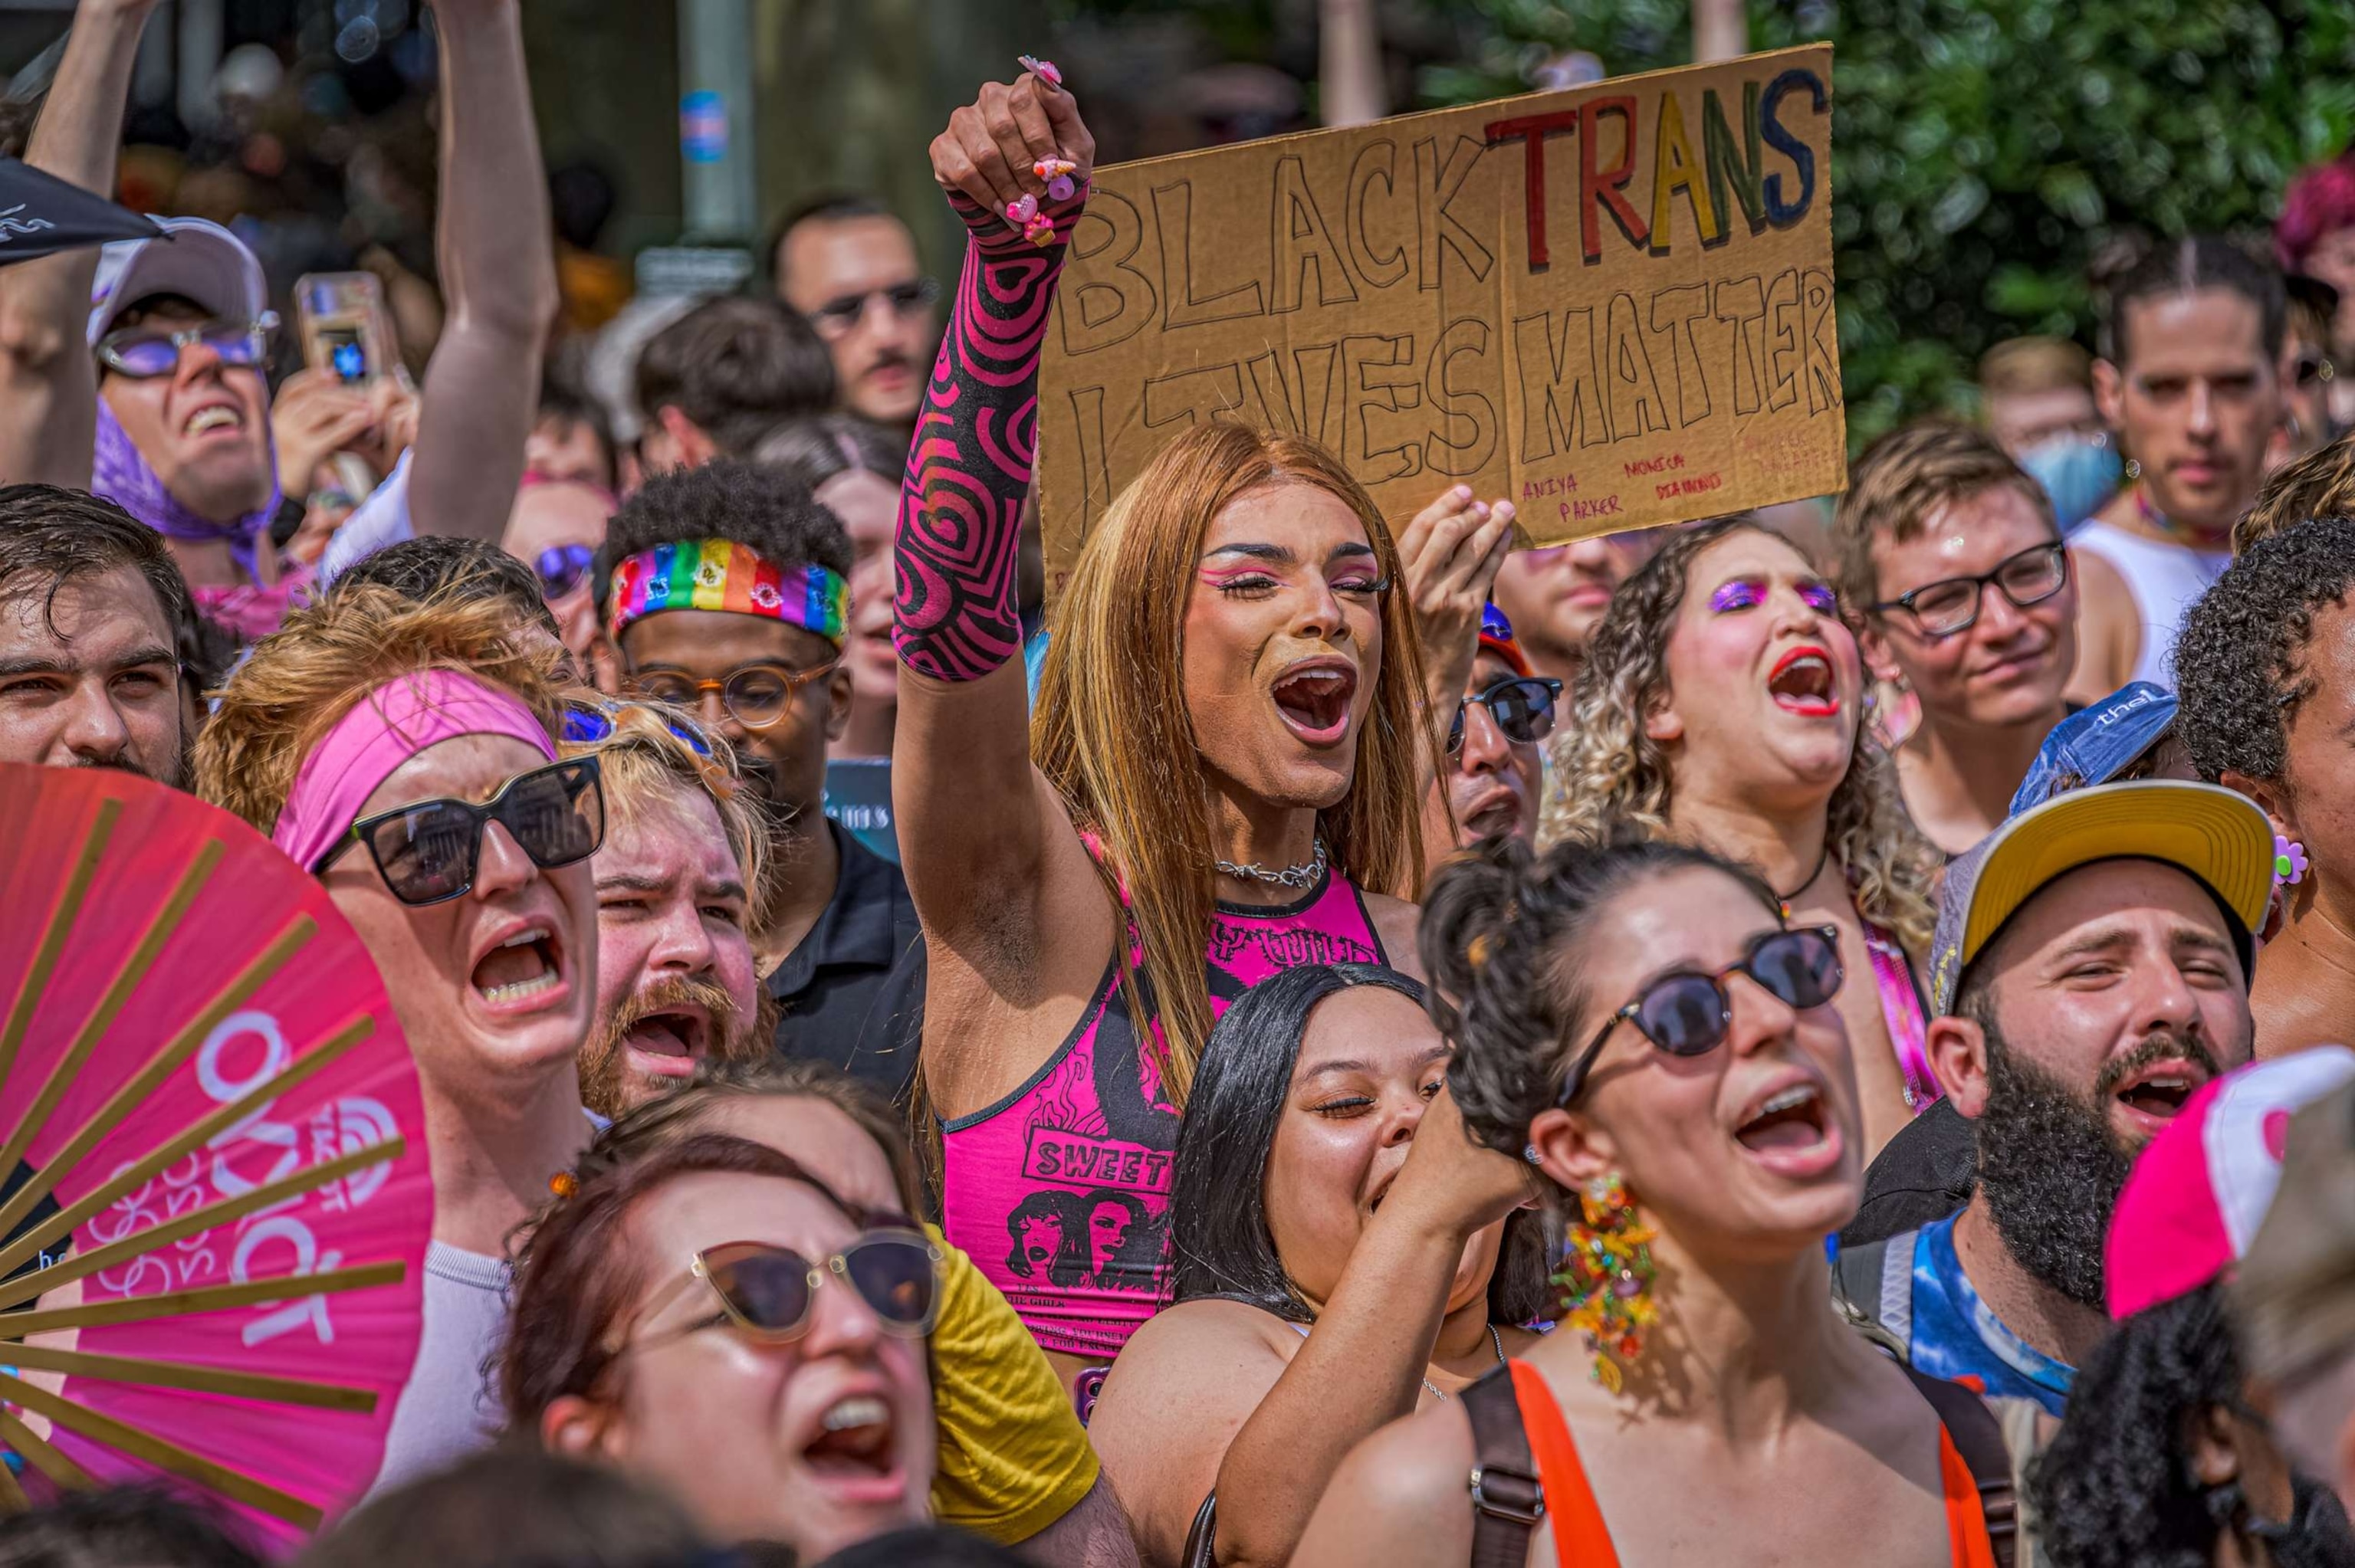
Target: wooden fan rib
{"x":161,"y":928}
{"x":204,"y":1298}
{"x":232,"y":996}
{"x":150,"y":1373}
{"x":63,"y":915}
{"x":43,"y":1454}
{"x":29,"y":1245}
{"x":196,"y":1221}
{"x":165,"y":1455}
{"x":13,"y":1500}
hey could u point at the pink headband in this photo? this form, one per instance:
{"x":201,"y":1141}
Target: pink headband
{"x":386,"y":728}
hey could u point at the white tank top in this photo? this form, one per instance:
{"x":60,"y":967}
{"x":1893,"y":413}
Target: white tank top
{"x":2165,"y":580}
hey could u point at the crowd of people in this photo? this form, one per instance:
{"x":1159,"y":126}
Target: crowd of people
{"x":1767,"y":1039}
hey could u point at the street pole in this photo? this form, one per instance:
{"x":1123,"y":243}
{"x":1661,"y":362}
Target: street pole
{"x":1349,"y":62}
{"x":1720,"y":30}
{"x":715,"y":120}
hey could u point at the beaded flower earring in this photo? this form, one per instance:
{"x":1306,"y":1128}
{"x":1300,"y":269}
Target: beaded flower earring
{"x":1605,"y":1278}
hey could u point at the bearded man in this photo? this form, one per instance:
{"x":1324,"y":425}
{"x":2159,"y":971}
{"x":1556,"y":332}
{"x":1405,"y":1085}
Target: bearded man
{"x":2090,"y":971}
{"x":675,"y":982}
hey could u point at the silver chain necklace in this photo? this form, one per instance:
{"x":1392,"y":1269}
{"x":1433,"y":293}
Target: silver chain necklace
{"x":1296,"y":877}
{"x":1495,"y":1338}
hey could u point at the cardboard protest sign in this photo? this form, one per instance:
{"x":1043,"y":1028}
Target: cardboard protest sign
{"x":1612,"y":304}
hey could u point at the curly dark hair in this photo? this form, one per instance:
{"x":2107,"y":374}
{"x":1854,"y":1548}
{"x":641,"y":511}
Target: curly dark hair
{"x":1502,"y":931}
{"x":2240,"y":670}
{"x":2113,"y":1489}
{"x":766,"y":510}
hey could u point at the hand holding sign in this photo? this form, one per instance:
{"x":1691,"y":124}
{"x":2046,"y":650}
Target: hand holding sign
{"x":992,"y":147}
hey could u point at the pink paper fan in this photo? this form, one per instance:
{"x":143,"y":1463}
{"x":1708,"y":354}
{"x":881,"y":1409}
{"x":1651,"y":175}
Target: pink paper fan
{"x":203,"y":1087}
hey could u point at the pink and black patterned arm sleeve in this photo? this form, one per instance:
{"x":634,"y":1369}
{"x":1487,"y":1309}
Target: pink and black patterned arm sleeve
{"x":969,"y":467}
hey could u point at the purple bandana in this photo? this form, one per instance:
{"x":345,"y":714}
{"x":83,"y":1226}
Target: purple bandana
{"x":119,"y":473}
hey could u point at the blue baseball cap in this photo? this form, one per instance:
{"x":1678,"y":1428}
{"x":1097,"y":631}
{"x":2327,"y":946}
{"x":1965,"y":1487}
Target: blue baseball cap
{"x":2096,"y":745}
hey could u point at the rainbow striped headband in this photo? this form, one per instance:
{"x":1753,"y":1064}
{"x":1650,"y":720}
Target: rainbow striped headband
{"x":721,"y":574}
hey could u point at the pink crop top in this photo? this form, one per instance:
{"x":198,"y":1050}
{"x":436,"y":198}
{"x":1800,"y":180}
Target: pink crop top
{"x":1060,"y":1192}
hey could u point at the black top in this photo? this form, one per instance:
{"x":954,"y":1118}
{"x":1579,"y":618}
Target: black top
{"x":1926,"y":1172}
{"x":852,"y":993}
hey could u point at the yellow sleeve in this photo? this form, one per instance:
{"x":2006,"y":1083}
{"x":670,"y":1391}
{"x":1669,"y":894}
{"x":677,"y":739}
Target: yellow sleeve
{"x":1014,"y":1458}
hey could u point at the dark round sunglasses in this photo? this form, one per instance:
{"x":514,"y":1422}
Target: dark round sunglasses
{"x":1520,"y":706}
{"x":769,"y":1292}
{"x":145,"y":353}
{"x":563,"y":567}
{"x":428,"y":852}
{"x":1687,"y":1013}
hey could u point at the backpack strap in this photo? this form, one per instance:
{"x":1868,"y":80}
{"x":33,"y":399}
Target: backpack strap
{"x":1201,"y":1548}
{"x":1977,"y":1436}
{"x":1875,"y":1283}
{"x":1507,"y":1500}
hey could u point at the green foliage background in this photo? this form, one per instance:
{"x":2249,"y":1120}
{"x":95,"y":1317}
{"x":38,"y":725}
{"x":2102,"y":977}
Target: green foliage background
{"x":1984,"y":149}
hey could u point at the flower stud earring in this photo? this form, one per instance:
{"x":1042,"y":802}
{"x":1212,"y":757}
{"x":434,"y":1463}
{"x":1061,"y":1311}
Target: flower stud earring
{"x":2290,"y":864}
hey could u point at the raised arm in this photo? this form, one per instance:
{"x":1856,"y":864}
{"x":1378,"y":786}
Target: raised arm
{"x":498,"y":273}
{"x":976,"y":823}
{"x":47,"y":381}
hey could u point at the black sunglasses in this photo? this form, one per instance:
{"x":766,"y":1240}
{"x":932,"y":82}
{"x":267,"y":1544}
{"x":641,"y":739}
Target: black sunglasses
{"x":769,"y":1292}
{"x":1687,"y":1013}
{"x":427,"y":852}
{"x":1520,"y":706}
{"x":1952,"y":604}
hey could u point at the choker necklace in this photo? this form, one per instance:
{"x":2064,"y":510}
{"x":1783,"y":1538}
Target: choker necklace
{"x":1821,"y":860}
{"x":1293,"y":876}
{"x":1495,"y":1338}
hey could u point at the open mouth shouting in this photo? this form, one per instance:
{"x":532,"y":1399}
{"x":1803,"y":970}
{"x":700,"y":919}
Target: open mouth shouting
{"x":2151,"y":1093}
{"x":668,"y":1043}
{"x":1313,"y":698}
{"x":522,"y":971}
{"x":1789,"y":1129}
{"x":855,"y":1454}
{"x":1802,"y":682}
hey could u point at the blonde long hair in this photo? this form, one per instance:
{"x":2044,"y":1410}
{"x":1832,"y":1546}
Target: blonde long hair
{"x":1111,"y":734}
{"x":1611,"y":778}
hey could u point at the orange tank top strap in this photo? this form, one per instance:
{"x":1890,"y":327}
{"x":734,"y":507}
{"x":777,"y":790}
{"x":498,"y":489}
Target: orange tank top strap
{"x":1967,"y":1542}
{"x":1581,"y":1539}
